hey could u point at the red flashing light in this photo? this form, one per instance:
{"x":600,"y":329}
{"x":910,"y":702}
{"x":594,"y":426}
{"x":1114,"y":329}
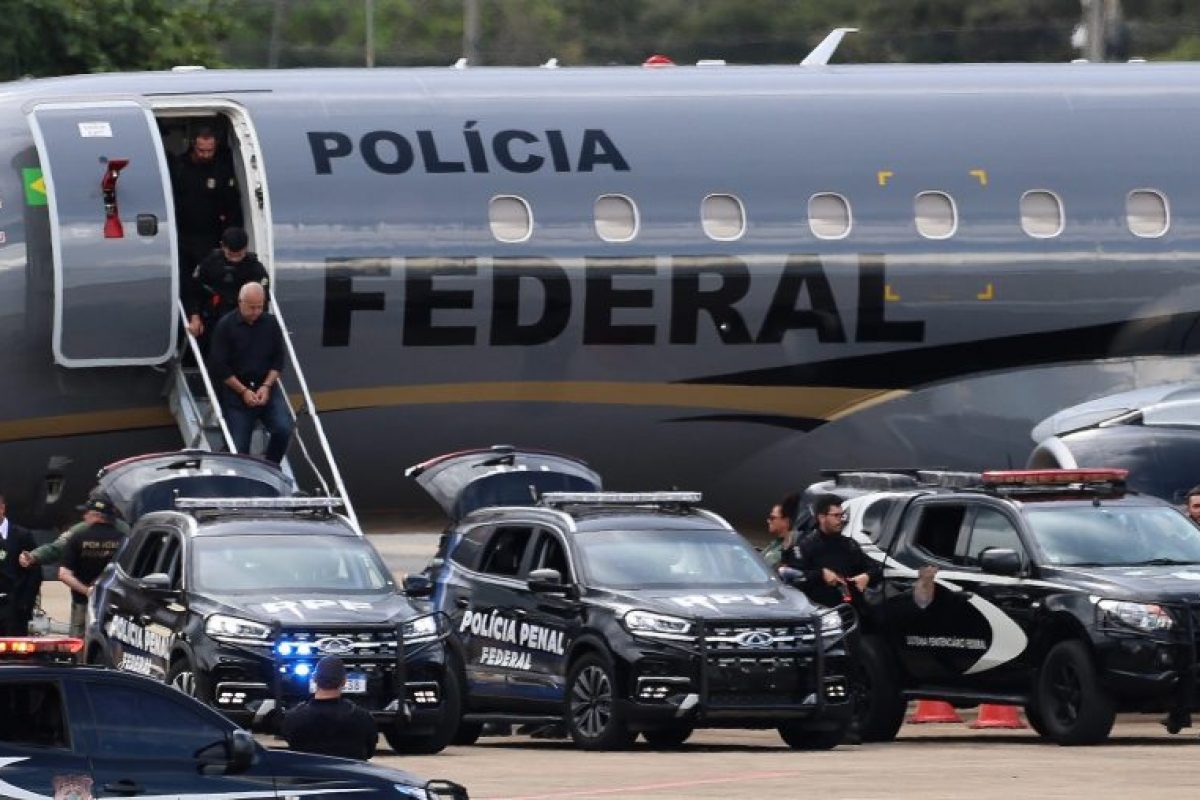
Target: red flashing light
{"x":39,"y":645}
{"x":658,"y":60}
{"x":1052,"y":477}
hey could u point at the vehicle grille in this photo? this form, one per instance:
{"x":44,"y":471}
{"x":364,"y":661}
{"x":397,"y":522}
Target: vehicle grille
{"x":373,"y":644}
{"x":758,"y":637}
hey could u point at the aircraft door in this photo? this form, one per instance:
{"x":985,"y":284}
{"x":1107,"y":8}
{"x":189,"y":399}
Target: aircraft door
{"x":112,"y":228}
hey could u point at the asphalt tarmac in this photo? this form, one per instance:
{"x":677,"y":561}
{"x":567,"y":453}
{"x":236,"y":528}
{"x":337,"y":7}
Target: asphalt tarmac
{"x":926,"y":761}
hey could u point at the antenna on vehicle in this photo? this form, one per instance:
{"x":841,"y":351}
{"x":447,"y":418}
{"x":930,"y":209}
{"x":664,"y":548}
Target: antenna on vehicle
{"x":821,"y":54}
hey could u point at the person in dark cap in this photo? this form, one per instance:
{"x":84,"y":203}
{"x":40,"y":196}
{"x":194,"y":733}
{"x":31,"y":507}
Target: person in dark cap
{"x":329,"y":724}
{"x":87,"y":554}
{"x":219,"y":277}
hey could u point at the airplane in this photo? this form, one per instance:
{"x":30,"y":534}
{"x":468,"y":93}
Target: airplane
{"x":710,"y":277}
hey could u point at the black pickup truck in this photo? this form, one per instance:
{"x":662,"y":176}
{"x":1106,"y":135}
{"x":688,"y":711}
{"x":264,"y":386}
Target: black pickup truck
{"x":1057,"y":590}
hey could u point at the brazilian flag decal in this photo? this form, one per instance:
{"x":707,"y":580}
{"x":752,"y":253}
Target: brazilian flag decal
{"x":35,"y":186}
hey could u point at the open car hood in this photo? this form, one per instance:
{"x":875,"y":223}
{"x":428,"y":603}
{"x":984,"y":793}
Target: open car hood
{"x":501,"y":475}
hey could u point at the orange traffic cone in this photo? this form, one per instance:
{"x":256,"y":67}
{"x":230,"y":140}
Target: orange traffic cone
{"x":996,"y":716}
{"x":934,"y":711}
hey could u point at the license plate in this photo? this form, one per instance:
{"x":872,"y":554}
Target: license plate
{"x":356,"y":683}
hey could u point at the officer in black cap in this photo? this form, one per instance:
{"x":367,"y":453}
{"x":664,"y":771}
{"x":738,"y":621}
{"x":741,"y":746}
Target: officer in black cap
{"x":219,"y":277}
{"x":328,"y":723}
{"x":87,"y":553}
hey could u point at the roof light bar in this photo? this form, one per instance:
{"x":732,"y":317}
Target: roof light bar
{"x":1052,"y":477}
{"x":247,"y":503}
{"x":39,"y":645}
{"x":620,"y":498}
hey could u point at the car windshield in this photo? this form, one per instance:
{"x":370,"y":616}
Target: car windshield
{"x":629,"y":559}
{"x":256,"y":563}
{"x":1115,"y":535}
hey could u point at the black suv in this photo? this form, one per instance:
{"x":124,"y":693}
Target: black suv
{"x":68,"y":731}
{"x":1057,"y":591}
{"x":620,"y":613}
{"x":234,"y":593}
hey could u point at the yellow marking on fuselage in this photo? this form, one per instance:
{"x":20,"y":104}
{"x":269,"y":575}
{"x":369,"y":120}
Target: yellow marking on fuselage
{"x":987,"y":294}
{"x":981,"y":175}
{"x":801,"y":402}
{"x":889,"y":293}
{"x":883,"y":176}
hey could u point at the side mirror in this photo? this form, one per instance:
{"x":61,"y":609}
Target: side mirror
{"x":418,"y":585}
{"x":159,"y":582}
{"x":230,"y":757}
{"x":1000,"y":561}
{"x":547,"y":581}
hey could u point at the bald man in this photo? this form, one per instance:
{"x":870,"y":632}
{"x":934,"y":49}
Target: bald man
{"x":246,"y":359}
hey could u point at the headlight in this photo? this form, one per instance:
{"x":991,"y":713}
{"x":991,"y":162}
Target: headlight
{"x":235,"y":630}
{"x":1143,"y":616}
{"x":831,"y":623}
{"x":421,"y":629}
{"x":660,"y":626}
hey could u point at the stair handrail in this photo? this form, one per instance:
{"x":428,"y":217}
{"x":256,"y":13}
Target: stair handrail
{"x":213,"y":401}
{"x":312,"y":412}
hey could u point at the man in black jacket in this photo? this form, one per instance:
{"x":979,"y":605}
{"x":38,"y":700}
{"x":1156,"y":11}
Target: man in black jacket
{"x":207,"y":198}
{"x":835,"y":569}
{"x":219,"y":277}
{"x":328,"y":724}
{"x":18,"y":585}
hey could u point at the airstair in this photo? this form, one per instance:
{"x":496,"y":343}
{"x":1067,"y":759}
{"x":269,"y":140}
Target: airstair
{"x":192,"y":397}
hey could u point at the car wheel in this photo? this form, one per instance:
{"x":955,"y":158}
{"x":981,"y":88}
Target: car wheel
{"x":187,"y":679}
{"x":594,"y":717}
{"x":802,"y":736}
{"x":668,"y":738}
{"x":447,"y":725}
{"x":878,"y":707}
{"x":1071,"y":705}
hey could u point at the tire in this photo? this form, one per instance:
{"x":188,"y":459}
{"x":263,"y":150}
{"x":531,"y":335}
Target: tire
{"x":468,"y":733}
{"x":800,"y":736}
{"x":184,"y":677}
{"x":668,"y":738}
{"x":875,"y":692}
{"x":593,"y":716}
{"x":404,"y":743}
{"x":1070,"y":703}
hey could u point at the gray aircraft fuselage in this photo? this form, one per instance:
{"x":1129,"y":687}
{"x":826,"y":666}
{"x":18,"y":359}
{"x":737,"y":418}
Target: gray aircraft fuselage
{"x":736,"y":367}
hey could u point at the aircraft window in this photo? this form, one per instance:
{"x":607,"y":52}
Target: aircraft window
{"x":1147,"y":213}
{"x":724,"y":217}
{"x":1041,"y":214}
{"x":616,"y":218}
{"x":511,"y":218}
{"x":936,"y":215}
{"x":829,"y":216}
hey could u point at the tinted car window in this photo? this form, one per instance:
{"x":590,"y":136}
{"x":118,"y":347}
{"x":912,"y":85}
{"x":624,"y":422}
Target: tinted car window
{"x":626,"y":559}
{"x":32,"y":715}
{"x":505,"y":551}
{"x":937,"y":533}
{"x":258,"y":563}
{"x":470,"y":548}
{"x":991,"y":529}
{"x":149,"y":554}
{"x":132,"y":722}
{"x":550,"y":555}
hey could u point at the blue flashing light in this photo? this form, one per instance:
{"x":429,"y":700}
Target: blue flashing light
{"x":284,"y":649}
{"x":302,"y":670}
{"x":304,"y":650}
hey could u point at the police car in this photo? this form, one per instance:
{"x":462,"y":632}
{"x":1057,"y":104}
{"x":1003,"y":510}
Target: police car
{"x":622,"y":613}
{"x":78,"y":732}
{"x":230,"y":589}
{"x":1057,"y":590}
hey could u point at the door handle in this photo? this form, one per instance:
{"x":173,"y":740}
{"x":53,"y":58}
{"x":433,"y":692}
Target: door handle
{"x":462,"y":602}
{"x":125,"y":786}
